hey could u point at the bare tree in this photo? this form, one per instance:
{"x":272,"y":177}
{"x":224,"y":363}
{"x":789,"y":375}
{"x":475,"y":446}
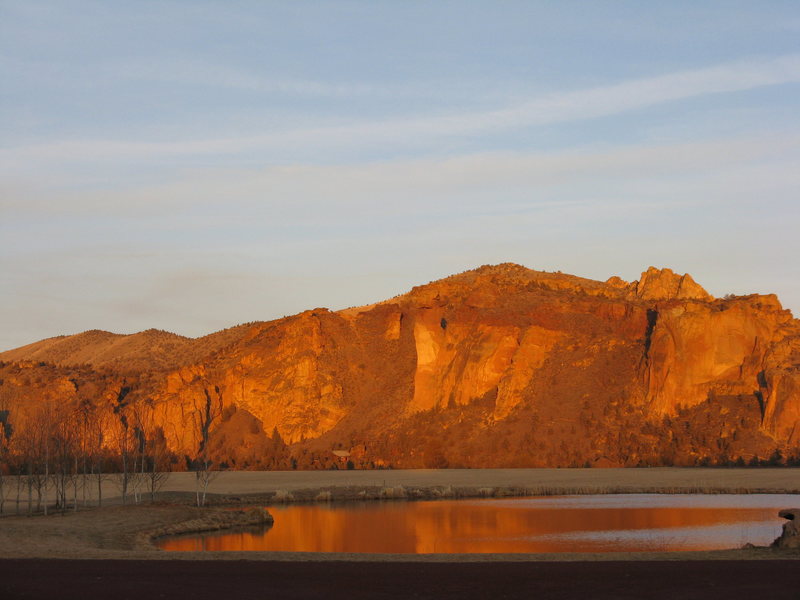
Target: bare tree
{"x":96,"y":454}
{"x":16,"y":467}
{"x":155,"y":464}
{"x":4,"y":459}
{"x":85,"y":415}
{"x":65,"y":443}
{"x":27,"y":447}
{"x":23,"y":445}
{"x":40,"y":459}
{"x":143,"y":414}
{"x":158,"y":456}
{"x":207,"y":411}
{"x":137,"y":472}
{"x":125,"y":443}
{"x":61,"y":459}
{"x":124,"y":448}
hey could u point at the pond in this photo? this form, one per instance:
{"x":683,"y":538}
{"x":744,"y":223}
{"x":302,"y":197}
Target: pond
{"x":601,"y":523}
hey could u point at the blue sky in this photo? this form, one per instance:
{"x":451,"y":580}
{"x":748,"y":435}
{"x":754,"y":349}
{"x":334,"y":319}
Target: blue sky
{"x":192,"y":165}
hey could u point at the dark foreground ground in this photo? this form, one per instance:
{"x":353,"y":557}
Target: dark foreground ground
{"x":199,"y":580}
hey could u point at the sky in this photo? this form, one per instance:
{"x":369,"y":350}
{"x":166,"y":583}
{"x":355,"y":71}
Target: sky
{"x":191,"y":165}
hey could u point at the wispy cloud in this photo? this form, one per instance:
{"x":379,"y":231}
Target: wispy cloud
{"x":198,"y":73}
{"x":420,"y":130}
{"x":595,"y":212}
{"x":206,"y":74}
{"x":308,"y":192}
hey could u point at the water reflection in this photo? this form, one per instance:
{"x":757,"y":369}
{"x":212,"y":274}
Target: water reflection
{"x":610,"y":523}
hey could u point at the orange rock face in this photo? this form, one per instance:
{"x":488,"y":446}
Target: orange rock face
{"x":663,"y":284}
{"x":700,"y":348}
{"x":499,"y":366}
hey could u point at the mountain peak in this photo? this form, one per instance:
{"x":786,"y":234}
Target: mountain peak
{"x":665,"y":284}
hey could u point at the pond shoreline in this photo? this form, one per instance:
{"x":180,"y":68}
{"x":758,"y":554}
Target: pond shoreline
{"x":507,"y":524}
{"x":278,"y":487}
{"x":117,"y":531}
{"x":333,"y":494}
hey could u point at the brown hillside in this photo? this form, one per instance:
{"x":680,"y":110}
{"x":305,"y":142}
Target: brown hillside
{"x":498,"y":366}
{"x":151,"y":350}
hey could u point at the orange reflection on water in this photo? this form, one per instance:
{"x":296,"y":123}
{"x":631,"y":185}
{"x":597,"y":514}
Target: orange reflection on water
{"x":495,"y":526}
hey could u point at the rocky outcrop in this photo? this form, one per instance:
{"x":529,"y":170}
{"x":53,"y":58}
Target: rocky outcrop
{"x":779,"y":383}
{"x":663,"y":284}
{"x":498,"y":366}
{"x":699,"y":349}
{"x":790,"y":536}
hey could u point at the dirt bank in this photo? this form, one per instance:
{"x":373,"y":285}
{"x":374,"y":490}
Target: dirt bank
{"x":113,"y":531}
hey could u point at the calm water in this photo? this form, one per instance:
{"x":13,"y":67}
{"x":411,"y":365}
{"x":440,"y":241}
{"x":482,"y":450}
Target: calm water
{"x":605,"y":523}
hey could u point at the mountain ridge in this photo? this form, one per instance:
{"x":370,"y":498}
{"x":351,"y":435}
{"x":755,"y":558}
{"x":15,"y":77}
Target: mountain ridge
{"x":496,"y":366}
{"x":53,"y":349}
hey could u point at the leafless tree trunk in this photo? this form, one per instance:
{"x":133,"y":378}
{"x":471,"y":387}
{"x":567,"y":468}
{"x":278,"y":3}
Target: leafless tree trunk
{"x":205,"y":475}
{"x":76,"y":476}
{"x":124,"y":451}
{"x":22,"y":449}
{"x":6,"y":461}
{"x":4,"y":464}
{"x":66,"y":444}
{"x":207,"y":410}
{"x":19,"y":490}
{"x":46,"y":471}
{"x":30,"y":489}
{"x":158,"y":472}
{"x":123,"y":440}
{"x":85,"y":416}
{"x":95,"y":450}
{"x":99,"y":476}
{"x":152,"y":446}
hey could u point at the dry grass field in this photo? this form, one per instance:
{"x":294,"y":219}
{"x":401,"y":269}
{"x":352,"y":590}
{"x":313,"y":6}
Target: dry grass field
{"x":285,"y":486}
{"x":261,"y":486}
{"x":586,"y":481}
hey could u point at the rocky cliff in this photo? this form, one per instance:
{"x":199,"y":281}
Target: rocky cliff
{"x":499,"y":366}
